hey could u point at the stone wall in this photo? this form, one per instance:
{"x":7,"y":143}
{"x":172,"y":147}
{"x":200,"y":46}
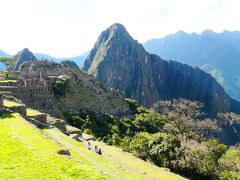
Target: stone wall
{"x":19,"y":109}
{"x":41,"y":118}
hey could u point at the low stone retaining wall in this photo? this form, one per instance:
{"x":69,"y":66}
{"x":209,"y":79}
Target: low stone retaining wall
{"x":37,"y":123}
{"x":8,"y":83}
{"x":40,"y":117}
{"x":58,"y":123}
{"x":19,"y":109}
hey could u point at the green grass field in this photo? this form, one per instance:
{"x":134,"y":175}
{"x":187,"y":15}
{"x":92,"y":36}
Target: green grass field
{"x":8,"y":103}
{"x":30,"y":153}
{"x":33,"y":112}
{"x":8,"y":80}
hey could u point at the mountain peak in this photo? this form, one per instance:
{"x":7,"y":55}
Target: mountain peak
{"x":116,"y":36}
{"x":181,"y":32}
{"x":117,"y":26}
{"x":22,"y":56}
{"x":207,"y":32}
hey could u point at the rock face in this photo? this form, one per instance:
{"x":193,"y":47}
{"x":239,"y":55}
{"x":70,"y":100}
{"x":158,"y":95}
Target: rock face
{"x":215,"y":53}
{"x":21,"y":57}
{"x":120,"y":61}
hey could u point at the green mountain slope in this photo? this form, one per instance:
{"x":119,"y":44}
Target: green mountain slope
{"x":30,"y":153}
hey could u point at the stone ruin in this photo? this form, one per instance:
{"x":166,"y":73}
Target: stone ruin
{"x":34,"y":85}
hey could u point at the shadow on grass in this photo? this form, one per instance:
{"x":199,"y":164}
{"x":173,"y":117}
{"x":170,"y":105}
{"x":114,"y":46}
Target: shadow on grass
{"x":5,"y":115}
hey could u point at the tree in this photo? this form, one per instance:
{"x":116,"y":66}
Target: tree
{"x":188,"y":118}
{"x":149,"y":121}
{"x":8,"y":62}
{"x":61,"y":85}
{"x":163,"y":148}
{"x":230,"y":164}
{"x":139,"y":146}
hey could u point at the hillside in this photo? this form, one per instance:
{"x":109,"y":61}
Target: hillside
{"x":215,"y":53}
{"x":28,"y":152}
{"x":121,"y":62}
{"x":81,"y":91}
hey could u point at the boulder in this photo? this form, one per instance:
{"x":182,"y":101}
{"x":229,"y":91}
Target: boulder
{"x":88,"y":137}
{"x":73,"y":130}
{"x":64,"y":152}
{"x":58,"y":123}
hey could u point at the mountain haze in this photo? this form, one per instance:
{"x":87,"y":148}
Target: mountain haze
{"x":79,"y":60}
{"x":215,"y":53}
{"x":120,"y":61}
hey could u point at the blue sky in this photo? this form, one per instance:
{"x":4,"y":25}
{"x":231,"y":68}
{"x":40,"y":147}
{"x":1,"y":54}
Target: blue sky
{"x":65,"y":28}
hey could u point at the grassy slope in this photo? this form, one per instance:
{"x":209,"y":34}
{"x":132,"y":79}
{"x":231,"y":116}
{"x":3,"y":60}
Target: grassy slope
{"x":27,"y":153}
{"x":33,"y":112}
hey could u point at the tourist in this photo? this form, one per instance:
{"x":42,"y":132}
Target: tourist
{"x":96,"y":149}
{"x":100,"y":152}
{"x":89,"y":146}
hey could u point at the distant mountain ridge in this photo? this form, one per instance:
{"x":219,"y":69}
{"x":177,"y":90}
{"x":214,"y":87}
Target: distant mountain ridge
{"x":79,"y":60}
{"x":121,"y":62}
{"x":215,"y":53}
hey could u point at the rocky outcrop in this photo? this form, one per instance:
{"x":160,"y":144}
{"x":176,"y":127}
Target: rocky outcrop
{"x":121,"y":62}
{"x":21,"y":57}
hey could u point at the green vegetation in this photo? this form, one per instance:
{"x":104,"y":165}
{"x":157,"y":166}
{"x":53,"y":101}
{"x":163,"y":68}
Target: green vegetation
{"x":61,"y":85}
{"x":33,"y":112}
{"x":29,"y":153}
{"x":172,"y":141}
{"x":230,"y":164}
{"x":8,"y":103}
{"x":7,"y":61}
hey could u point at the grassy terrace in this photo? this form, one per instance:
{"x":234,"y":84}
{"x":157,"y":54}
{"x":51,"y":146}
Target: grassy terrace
{"x":30,"y":153}
{"x":8,"y":103}
{"x":32,"y":112}
{"x":7,"y":80}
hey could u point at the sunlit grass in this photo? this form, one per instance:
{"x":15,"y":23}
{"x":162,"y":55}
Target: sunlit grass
{"x":27,"y":154}
{"x":8,"y":80}
{"x":8,"y":103}
{"x":33,"y":112}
